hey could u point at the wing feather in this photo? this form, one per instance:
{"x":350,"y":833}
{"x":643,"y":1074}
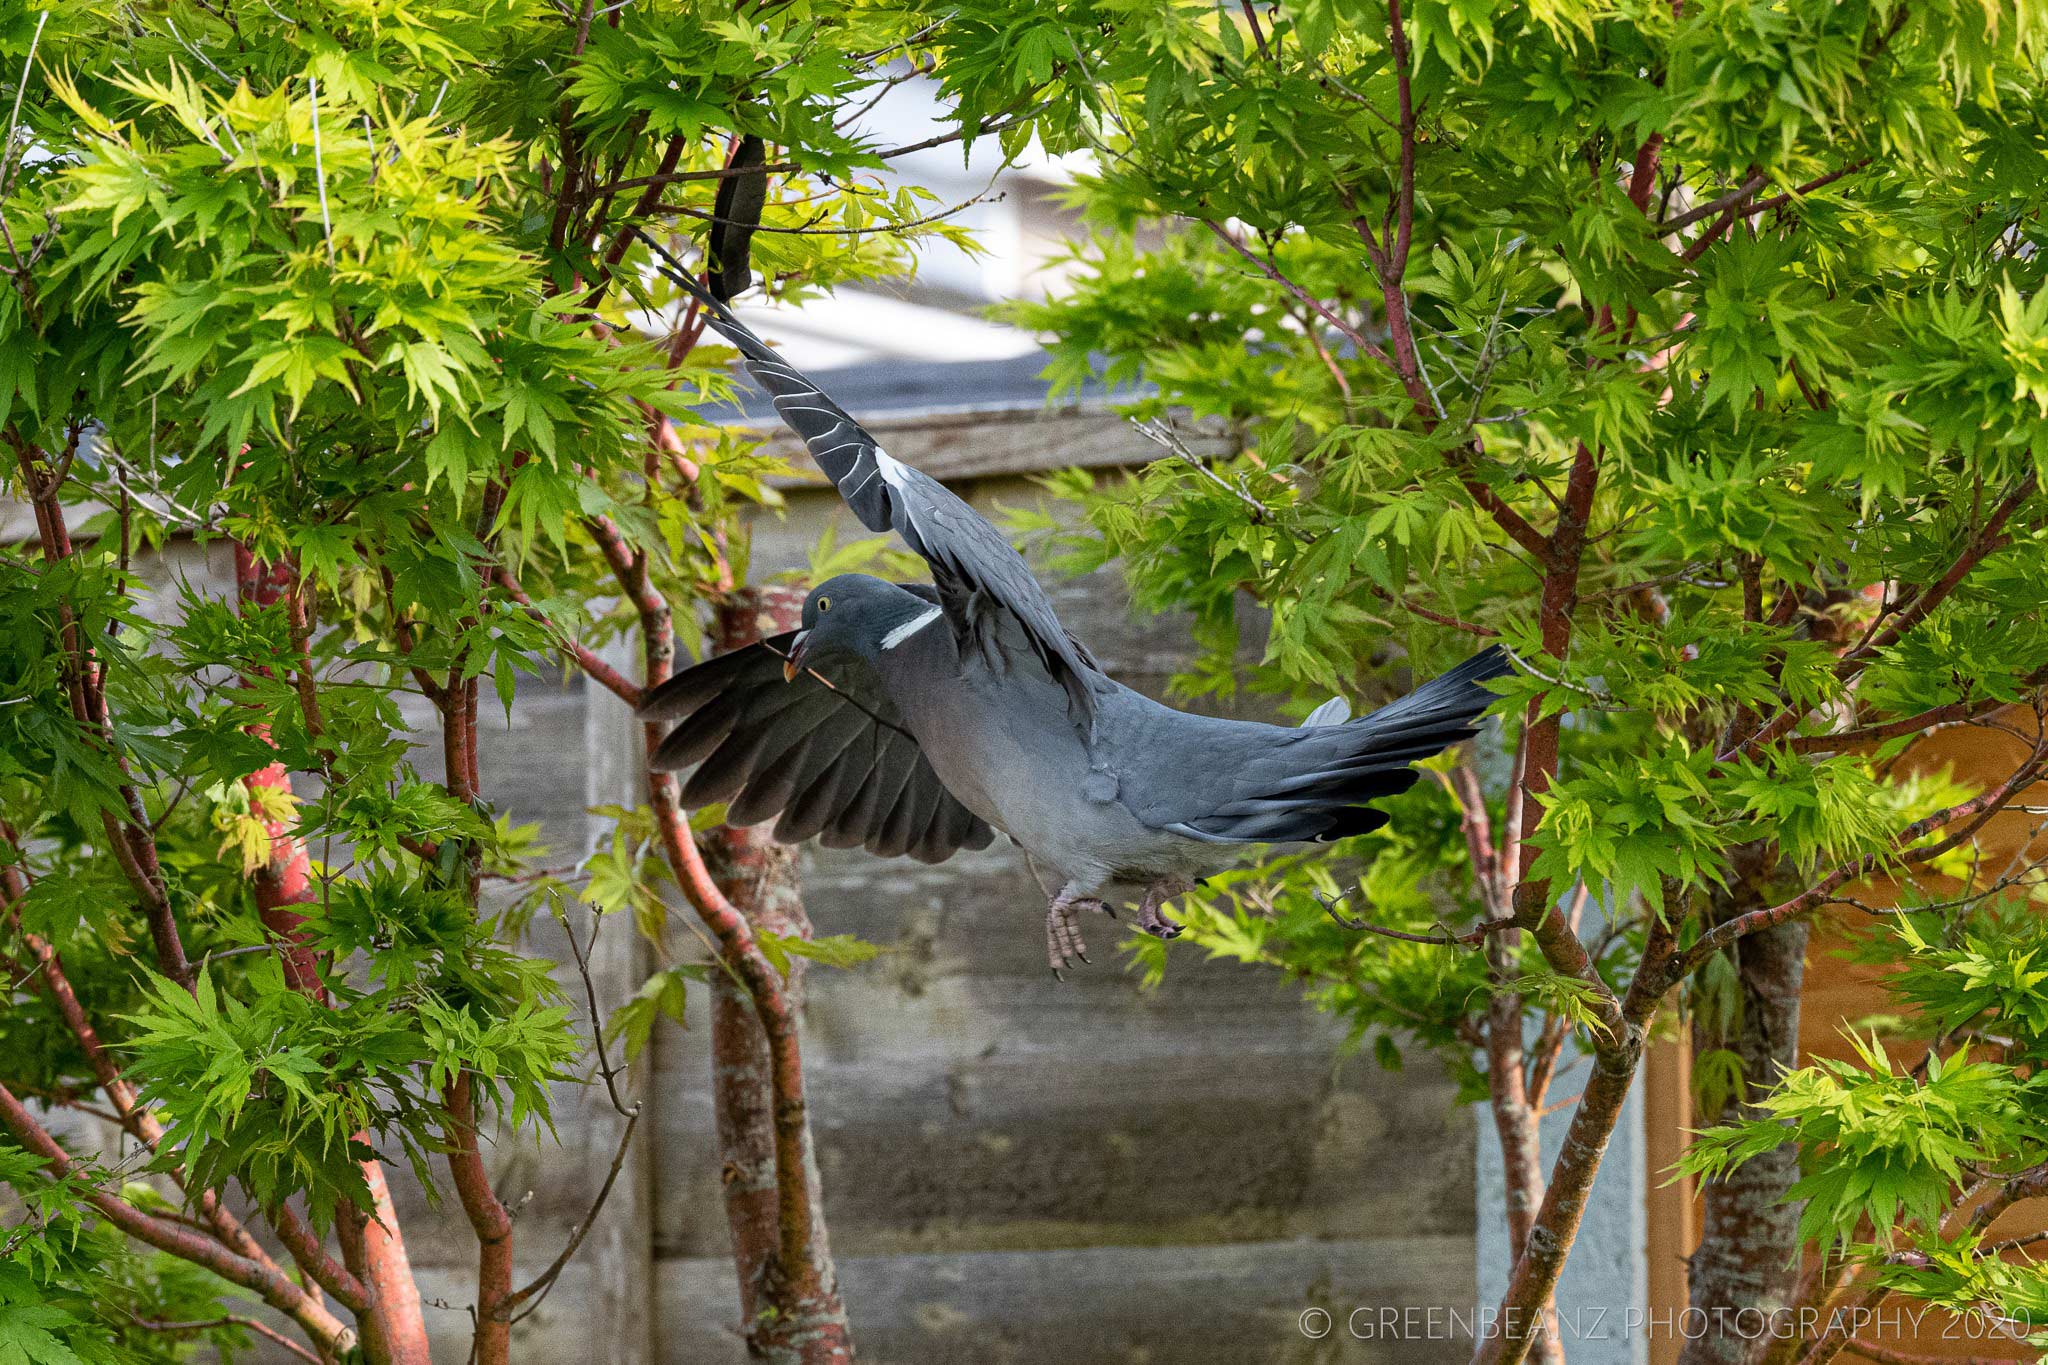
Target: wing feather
{"x":831,"y":762}
{"x":976,"y":569}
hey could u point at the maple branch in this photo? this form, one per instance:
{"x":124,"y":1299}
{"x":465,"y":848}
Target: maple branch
{"x":264,"y":1330}
{"x":1973,"y":812}
{"x":1445,"y":938}
{"x":489,"y":1221}
{"x":1934,"y":718}
{"x":379,"y":1283}
{"x":739,"y":950}
{"x":1302,"y":296}
{"x":587,"y":659}
{"x":1989,"y":539}
{"x":310,"y":1255}
{"x":268,"y":1281}
{"x":1700,"y":212}
{"x":131,"y":841}
{"x":538,"y":1288}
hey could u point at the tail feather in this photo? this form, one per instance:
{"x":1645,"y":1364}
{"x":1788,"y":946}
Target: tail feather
{"x":1343,"y":766}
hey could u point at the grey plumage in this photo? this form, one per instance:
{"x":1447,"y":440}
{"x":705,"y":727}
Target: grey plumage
{"x":833,"y":765}
{"x":900,"y":735}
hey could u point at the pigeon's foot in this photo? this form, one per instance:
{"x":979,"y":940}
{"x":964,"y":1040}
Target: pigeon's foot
{"x":1152,"y":917}
{"x":1063,"y":945}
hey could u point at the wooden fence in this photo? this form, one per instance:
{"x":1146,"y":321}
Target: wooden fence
{"x":1015,"y":1169}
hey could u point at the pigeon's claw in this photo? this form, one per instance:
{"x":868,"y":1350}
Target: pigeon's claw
{"x":1152,"y":916}
{"x":1063,"y":945}
{"x":1158,"y":924}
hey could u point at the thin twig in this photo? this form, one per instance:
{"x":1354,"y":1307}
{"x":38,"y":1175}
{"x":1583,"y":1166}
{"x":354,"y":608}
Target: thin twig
{"x":1162,"y":434}
{"x":1447,"y":938}
{"x":538,"y":1288}
{"x":263,"y":1330}
{"x":320,"y":167}
{"x":14,"y":119}
{"x":1301,"y":295}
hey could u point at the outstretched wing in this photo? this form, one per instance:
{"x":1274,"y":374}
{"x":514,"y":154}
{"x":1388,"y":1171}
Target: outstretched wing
{"x":977,"y":571}
{"x":830,"y":760}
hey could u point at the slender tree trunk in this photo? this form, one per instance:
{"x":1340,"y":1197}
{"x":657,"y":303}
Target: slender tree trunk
{"x":1516,"y":1121}
{"x":395,"y":1327}
{"x":1747,"y":1266}
{"x":793,"y":1315}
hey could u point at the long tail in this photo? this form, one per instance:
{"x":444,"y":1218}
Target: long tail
{"x":1331,"y":771}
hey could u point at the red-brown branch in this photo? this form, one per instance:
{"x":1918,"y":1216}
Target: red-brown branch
{"x":284,"y":883}
{"x":270,"y":1283}
{"x":130,"y":841}
{"x":738,"y":948}
{"x":216,"y":1218}
{"x":1617,"y":1052}
{"x":138,"y":1121}
{"x":1972,"y":813}
{"x":587,"y":659}
{"x":1933,"y":718}
{"x":1989,"y":539}
{"x":1307,"y":300}
{"x":488,"y":1220}
{"x":789,"y":1316}
{"x":1619,"y":1024}
{"x":261,"y":1329}
{"x":297,"y":1237}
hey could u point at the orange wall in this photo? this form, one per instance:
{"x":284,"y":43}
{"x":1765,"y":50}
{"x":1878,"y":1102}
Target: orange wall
{"x":1839,"y":992}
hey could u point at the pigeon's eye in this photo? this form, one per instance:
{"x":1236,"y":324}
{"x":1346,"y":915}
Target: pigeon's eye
{"x":824,"y":604}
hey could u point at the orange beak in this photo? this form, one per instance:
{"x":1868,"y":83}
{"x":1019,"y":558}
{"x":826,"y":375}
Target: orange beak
{"x":795,"y":662}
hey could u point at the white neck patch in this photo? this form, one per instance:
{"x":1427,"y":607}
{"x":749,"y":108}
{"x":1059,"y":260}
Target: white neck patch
{"x":910,"y":628}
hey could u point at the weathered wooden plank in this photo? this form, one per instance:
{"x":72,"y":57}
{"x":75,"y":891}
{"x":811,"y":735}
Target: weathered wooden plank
{"x":1187,"y":1305}
{"x":977,"y":443}
{"x":619,"y":1250}
{"x":1065,"y":1148}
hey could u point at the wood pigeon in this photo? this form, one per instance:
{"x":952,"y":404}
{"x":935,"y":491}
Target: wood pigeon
{"x":921,"y":720}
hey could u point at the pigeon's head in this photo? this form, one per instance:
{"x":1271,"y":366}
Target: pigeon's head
{"x":850,"y":617}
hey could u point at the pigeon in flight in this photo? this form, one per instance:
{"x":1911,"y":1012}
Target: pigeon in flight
{"x":921,"y":720}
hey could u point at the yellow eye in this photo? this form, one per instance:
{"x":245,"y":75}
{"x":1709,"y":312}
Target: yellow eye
{"x":824,"y":604}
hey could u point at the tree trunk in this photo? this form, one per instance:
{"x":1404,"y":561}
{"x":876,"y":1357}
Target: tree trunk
{"x":793,"y":1315}
{"x":1517,"y":1119}
{"x":1747,"y":1268}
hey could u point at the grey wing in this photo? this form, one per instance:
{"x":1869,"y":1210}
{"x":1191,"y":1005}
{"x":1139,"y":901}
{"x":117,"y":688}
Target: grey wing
{"x":976,"y":570}
{"x":830,"y":762}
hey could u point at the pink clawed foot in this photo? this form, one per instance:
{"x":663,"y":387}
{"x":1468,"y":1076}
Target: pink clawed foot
{"x":1063,"y":945}
{"x":1152,"y":917}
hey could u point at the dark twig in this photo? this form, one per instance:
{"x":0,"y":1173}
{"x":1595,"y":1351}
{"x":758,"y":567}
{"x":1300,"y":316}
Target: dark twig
{"x":264,"y":1330}
{"x":538,"y":1288}
{"x":1447,"y":938}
